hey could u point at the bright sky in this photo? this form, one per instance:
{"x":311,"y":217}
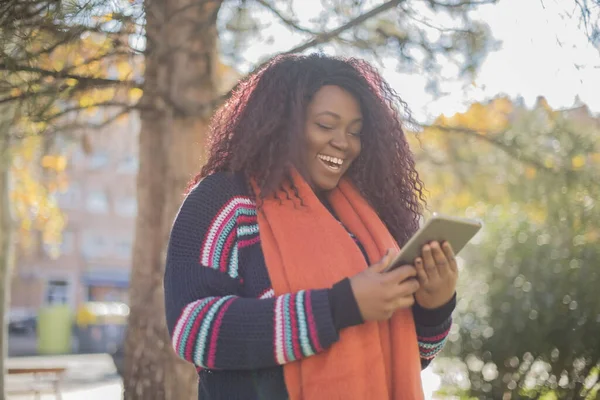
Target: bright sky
{"x":529,"y":63}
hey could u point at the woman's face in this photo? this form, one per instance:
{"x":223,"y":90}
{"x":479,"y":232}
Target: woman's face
{"x":332,"y":130}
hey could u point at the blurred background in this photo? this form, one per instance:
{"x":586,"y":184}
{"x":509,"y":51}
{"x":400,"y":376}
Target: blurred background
{"x":104,"y":107}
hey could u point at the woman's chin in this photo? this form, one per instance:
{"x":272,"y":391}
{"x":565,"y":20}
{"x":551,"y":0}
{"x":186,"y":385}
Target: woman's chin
{"x":325,"y":185}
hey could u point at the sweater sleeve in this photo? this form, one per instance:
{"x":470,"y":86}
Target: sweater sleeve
{"x":210,"y":323}
{"x":433,"y":327}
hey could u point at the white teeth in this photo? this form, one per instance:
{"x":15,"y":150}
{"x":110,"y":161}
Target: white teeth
{"x":334,"y":160}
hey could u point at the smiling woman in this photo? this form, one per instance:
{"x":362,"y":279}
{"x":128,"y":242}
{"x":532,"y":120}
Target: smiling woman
{"x":274,"y":286}
{"x":332,"y":131}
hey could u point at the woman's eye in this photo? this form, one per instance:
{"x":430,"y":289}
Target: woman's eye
{"x":357,"y":134}
{"x":328,"y":128}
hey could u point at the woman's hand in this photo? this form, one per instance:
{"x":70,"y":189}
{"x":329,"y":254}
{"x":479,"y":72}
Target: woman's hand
{"x":380,"y":294}
{"x":437,"y":274}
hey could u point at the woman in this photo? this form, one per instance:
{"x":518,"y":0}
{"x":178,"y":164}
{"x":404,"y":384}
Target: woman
{"x":274,"y":286}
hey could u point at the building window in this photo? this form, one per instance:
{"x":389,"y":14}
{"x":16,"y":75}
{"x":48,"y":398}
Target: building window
{"x":98,"y":160}
{"x":71,"y":197}
{"x":108,"y":293}
{"x":97,"y":202}
{"x":123,"y":248}
{"x":68,"y":242}
{"x":128,"y":165}
{"x":77,"y":158}
{"x":64,"y":247}
{"x":126,"y":206}
{"x":94,"y":245}
{"x":57,"y":292}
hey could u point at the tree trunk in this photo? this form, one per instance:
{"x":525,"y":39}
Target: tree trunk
{"x":5,"y":253}
{"x":178,"y":82}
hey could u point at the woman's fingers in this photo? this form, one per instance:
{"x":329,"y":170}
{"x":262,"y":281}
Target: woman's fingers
{"x":421,"y":273}
{"x":449,"y":252}
{"x":429,"y":262}
{"x":441,"y":262}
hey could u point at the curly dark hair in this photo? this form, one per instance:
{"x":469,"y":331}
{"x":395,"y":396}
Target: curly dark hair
{"x":261,"y":127}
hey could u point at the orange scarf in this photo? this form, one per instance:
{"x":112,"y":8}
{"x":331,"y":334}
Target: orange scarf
{"x":306,"y":248}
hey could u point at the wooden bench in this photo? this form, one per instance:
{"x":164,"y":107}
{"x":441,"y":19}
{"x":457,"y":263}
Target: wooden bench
{"x":40,"y":376}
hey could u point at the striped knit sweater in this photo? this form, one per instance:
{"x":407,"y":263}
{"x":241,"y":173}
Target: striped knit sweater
{"x":221,"y":311}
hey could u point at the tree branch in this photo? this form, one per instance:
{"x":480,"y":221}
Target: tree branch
{"x":411,"y":14}
{"x":504,"y":147}
{"x":77,"y":126}
{"x":26,"y":95}
{"x":48,"y":91}
{"x":62,"y":75}
{"x":69,"y":110}
{"x":23,"y":13}
{"x":63,"y":36}
{"x":327,"y":36}
{"x":112,"y":119}
{"x":284,"y":19}
{"x":322,"y":38}
{"x":496,"y":143}
{"x":464,"y":3}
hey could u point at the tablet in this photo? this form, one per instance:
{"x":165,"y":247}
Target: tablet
{"x":455,"y":230}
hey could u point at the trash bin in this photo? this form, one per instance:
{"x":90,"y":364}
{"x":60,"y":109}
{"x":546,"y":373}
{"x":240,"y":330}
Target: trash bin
{"x":54,"y":330}
{"x":101,"y":326}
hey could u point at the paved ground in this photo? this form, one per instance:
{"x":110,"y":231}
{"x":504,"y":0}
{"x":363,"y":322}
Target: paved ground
{"x":88,"y":376}
{"x":93,"y":376}
{"x":106,"y":391}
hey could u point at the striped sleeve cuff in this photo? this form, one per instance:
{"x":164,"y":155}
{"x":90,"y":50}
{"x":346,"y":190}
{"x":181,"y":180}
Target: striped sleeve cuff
{"x":196,"y":333}
{"x":432,"y":339}
{"x":303,"y":325}
{"x":433,"y":327}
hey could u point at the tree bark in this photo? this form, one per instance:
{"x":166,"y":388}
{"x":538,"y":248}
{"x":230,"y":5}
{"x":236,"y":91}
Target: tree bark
{"x":5,"y":253}
{"x":178,"y":84}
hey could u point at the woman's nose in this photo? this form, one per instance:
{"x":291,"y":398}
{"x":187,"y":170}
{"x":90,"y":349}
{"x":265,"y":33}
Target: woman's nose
{"x":340,"y":140}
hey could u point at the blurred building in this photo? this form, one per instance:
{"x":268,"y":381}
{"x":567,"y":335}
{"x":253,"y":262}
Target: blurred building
{"x":100,"y":206}
{"x":94,"y":261}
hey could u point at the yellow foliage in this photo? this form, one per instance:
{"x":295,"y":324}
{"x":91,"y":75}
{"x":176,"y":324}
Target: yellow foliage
{"x":91,"y":111}
{"x":530,"y":172}
{"x":58,"y":64}
{"x":107,"y":17}
{"x":463,"y":199}
{"x":467,"y":176}
{"x":29,"y":147}
{"x":124,"y":69}
{"x":592,"y":236}
{"x":96,"y":96}
{"x":122,"y":119}
{"x":578,"y":161}
{"x":33,"y":203}
{"x":536,"y":213}
{"x":491,"y":118}
{"x":55,"y":162}
{"x":30,"y":130}
{"x":135,"y":94}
